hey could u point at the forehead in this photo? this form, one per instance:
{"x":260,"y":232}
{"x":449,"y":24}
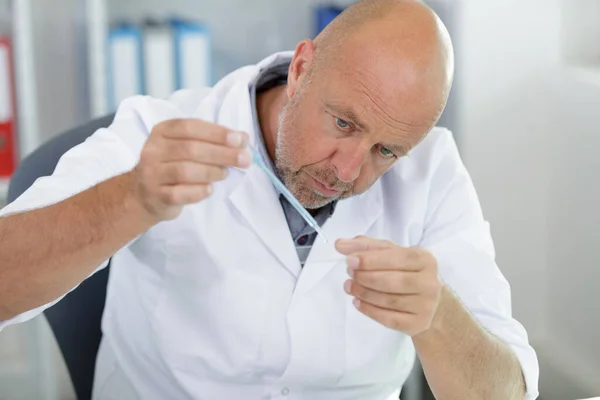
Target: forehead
{"x":390,"y":92}
{"x":385,"y":99}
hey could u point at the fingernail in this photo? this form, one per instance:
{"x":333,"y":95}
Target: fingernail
{"x":353,"y":262}
{"x":244,"y":159}
{"x":350,"y":271}
{"x":234,"y":139}
{"x":209,"y":188}
{"x":356,"y":303}
{"x":347,"y":286}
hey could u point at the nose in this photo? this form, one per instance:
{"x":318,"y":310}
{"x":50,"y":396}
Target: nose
{"x":349,"y":159}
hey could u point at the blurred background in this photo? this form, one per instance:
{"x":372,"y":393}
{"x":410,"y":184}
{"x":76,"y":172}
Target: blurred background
{"x":524,"y":110}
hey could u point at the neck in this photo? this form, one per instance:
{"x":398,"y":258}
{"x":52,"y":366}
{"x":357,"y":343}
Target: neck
{"x":268,"y":106}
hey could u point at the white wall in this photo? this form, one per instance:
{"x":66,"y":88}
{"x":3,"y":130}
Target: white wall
{"x":505,"y":135}
{"x":574,"y":231}
{"x":529,"y":137}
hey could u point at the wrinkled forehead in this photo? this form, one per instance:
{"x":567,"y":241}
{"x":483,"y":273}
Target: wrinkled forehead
{"x":390,"y":94}
{"x":395,"y":59}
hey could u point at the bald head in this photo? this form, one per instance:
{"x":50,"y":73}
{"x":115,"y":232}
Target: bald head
{"x":401,"y":19}
{"x":403,"y":35}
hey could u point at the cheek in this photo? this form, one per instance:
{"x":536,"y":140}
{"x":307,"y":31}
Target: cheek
{"x":308,"y":136}
{"x":321,"y":149}
{"x":313,"y":143}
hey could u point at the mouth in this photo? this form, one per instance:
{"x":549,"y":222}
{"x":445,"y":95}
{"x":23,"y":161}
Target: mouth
{"x":323,"y":189}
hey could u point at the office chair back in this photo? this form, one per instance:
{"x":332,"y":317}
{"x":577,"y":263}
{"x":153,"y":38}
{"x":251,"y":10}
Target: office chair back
{"x":75,"y":320}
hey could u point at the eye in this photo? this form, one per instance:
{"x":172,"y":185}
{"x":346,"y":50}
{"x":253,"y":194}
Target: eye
{"x":343,"y":125}
{"x":386,"y":153}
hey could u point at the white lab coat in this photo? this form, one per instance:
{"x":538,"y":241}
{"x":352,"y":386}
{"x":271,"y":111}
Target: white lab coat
{"x":215,"y":305}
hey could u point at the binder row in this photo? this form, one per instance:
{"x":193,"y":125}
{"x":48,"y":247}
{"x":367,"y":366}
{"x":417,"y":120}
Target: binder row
{"x":156,"y":59}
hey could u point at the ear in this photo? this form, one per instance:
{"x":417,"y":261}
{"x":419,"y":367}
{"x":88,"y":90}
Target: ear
{"x":303,"y":58}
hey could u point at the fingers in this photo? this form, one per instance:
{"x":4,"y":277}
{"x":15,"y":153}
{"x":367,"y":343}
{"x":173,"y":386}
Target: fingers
{"x":396,"y":286}
{"x":187,"y":172}
{"x":205,"y":153}
{"x":408,"y":303}
{"x":408,"y":313}
{"x":393,"y":258}
{"x":396,"y":282}
{"x":198,"y":141}
{"x":396,"y":320}
{"x":203,"y":131}
{"x":179,"y":195}
{"x":361,"y":243}
{"x":181,"y":160}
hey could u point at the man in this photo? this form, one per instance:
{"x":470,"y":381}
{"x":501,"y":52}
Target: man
{"x":219,"y":290}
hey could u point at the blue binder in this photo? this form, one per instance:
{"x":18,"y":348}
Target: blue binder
{"x":193,"y":54}
{"x":159,"y":59}
{"x":324,"y":15}
{"x":125,"y":71}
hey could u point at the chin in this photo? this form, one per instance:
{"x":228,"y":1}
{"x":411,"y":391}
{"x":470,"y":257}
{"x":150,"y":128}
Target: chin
{"x":309,"y":197}
{"x":317,"y":200}
{"x":311,"y":200}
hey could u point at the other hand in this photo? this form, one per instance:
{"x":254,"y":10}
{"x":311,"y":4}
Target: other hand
{"x":396,"y":286}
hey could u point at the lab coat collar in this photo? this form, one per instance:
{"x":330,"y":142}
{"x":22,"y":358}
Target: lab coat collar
{"x":257,"y":201}
{"x":255,"y":197}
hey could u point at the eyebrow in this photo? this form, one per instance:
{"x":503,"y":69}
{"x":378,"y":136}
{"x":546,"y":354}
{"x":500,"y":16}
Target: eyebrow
{"x":349,"y":115}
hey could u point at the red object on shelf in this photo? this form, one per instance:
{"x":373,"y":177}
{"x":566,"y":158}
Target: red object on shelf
{"x":8,"y":133}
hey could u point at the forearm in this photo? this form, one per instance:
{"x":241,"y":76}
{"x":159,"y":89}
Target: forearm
{"x":461,"y":360}
{"x":44,"y":253}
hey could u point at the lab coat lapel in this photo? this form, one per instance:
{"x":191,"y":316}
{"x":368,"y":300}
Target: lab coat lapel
{"x":258,"y":202}
{"x":352,"y":217}
{"x":255,"y":197}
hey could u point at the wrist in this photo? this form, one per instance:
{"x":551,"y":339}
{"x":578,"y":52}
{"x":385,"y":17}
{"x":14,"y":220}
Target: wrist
{"x":134,"y":205}
{"x":439,"y":323}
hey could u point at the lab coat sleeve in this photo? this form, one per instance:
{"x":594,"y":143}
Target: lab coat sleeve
{"x":459,"y":237}
{"x":106,"y":154}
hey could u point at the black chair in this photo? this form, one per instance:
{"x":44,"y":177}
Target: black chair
{"x":75,"y":320}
